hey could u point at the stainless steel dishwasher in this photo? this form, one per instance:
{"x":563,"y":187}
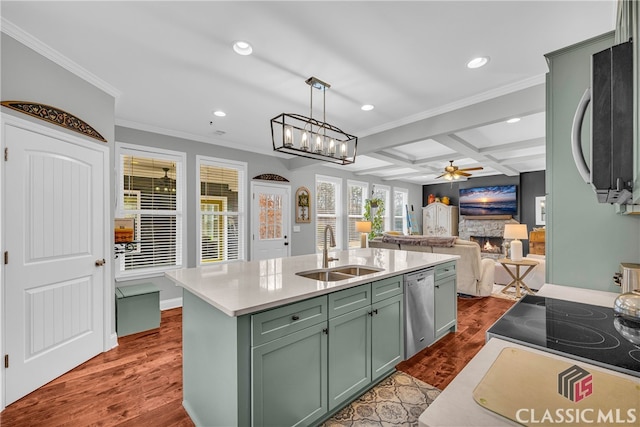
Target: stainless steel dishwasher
{"x":418,"y":309}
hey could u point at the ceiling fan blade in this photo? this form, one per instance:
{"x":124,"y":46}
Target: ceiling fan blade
{"x":463,"y":173}
{"x":472,"y":169}
{"x":446,"y":173}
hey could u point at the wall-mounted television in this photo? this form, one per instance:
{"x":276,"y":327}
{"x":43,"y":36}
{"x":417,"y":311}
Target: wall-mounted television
{"x":489,"y":200}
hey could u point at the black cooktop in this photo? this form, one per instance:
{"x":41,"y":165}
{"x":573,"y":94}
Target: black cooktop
{"x":579,"y":331}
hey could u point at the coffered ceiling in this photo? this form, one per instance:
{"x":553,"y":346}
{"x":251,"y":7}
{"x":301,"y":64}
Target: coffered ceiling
{"x":171,"y":65}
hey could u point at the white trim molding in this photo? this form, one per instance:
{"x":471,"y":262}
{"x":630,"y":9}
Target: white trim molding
{"x":13,"y":31}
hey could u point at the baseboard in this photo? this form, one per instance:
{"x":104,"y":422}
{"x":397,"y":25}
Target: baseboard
{"x":113,"y":341}
{"x":171,"y":303}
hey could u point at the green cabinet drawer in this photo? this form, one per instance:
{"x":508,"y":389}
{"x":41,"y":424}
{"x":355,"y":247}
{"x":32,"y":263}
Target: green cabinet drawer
{"x":386,"y":288}
{"x":342,"y":302}
{"x":272,"y":324}
{"x":445,"y":270}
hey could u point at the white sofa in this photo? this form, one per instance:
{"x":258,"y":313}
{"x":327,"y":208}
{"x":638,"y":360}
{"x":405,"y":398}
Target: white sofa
{"x":535,"y":279}
{"x":474,"y":275}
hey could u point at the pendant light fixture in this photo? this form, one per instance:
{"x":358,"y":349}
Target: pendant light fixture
{"x":308,"y":137}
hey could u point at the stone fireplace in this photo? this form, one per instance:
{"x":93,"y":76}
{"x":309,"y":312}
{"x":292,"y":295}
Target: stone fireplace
{"x":485,"y":232}
{"x":489,"y":245}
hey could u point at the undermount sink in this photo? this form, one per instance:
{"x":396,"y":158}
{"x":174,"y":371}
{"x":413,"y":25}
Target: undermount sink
{"x":356,"y":270}
{"x":335,"y":274}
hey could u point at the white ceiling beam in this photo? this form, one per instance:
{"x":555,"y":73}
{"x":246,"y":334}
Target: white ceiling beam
{"x":443,"y":157}
{"x":523,"y":102}
{"x":466,"y":149}
{"x":373,"y":170}
{"x":522,"y":158}
{"x":403,"y":175}
{"x":400,"y":162}
{"x":528,"y":143}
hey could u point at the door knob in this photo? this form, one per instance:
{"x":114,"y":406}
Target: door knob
{"x":100,"y":262}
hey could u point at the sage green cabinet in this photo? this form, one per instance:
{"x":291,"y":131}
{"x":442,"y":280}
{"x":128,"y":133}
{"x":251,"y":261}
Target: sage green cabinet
{"x":349,"y":355}
{"x":387,"y":336}
{"x":366,"y":343}
{"x":292,"y":365}
{"x":289,"y":379}
{"x":445,"y":300}
{"x":586,"y":240}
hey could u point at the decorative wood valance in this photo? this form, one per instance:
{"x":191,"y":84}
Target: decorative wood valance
{"x":56,"y":116}
{"x":271,"y":177}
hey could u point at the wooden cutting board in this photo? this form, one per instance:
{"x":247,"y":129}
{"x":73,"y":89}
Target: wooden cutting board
{"x":534,"y":390}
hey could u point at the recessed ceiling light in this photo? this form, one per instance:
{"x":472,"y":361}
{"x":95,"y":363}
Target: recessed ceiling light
{"x":219,"y":113}
{"x":242,"y":48}
{"x":478,"y":62}
{"x":367,"y":107}
{"x":514,"y":120}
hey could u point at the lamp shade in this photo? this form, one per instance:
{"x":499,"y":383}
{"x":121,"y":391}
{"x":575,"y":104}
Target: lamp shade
{"x":515,"y":231}
{"x":363,"y":226}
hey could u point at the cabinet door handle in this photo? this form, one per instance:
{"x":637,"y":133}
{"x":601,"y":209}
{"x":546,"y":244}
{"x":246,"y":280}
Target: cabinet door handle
{"x":295,"y":317}
{"x":438,"y":286}
{"x":372,"y":312}
{"x":325,"y":331}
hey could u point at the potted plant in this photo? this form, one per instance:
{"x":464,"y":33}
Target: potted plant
{"x":374,"y":212}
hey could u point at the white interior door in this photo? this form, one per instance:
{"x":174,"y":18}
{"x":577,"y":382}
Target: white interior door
{"x":54,"y":223}
{"x":271,"y":221}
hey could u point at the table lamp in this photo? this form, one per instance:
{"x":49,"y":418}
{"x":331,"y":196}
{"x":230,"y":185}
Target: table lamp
{"x":516,"y":232}
{"x":363,"y":227}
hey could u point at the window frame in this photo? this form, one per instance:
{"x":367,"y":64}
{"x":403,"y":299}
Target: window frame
{"x":404,"y":191}
{"x":243,"y":199}
{"x":388,"y":209}
{"x":180,"y":159}
{"x":337,"y":182}
{"x":354,"y":241}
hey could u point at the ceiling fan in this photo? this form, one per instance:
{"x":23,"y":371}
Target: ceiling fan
{"x":452,"y":172}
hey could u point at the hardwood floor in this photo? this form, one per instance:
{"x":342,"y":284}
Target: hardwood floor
{"x":439,"y":364}
{"x":139,"y":383}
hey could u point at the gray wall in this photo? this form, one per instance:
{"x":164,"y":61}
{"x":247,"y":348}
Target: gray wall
{"x":302,"y":242}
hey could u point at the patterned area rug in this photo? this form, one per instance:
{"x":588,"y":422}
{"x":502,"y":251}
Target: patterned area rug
{"x":398,"y":400}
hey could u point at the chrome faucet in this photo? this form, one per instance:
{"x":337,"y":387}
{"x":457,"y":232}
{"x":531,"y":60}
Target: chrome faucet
{"x":325,"y":252}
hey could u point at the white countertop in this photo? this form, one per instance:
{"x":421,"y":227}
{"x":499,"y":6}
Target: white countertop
{"x":455,"y":405}
{"x":246,"y":287}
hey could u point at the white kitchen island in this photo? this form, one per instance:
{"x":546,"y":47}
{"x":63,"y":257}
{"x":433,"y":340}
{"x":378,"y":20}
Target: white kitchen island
{"x":265,"y":346}
{"x":456,"y":407}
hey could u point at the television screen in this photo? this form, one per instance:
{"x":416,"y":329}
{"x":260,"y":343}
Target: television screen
{"x":489,"y":200}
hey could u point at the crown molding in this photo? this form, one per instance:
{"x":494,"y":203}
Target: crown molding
{"x":191,"y":137}
{"x":17,"y":33}
{"x":456,"y":105}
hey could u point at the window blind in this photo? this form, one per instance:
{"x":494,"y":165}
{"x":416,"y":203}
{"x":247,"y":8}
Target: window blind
{"x":222,"y":210}
{"x":400,"y":200}
{"x":356,"y":195}
{"x":151,"y":194}
{"x":328,"y":208}
{"x":383,"y":192}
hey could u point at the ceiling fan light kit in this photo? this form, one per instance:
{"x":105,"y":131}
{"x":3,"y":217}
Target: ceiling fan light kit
{"x":311,"y":138}
{"x":452,"y":172}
